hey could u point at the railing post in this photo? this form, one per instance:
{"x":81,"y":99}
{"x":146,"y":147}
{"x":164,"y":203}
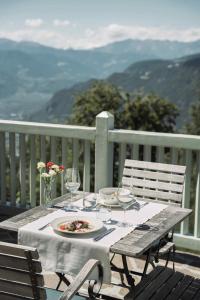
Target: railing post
{"x":103,"y":151}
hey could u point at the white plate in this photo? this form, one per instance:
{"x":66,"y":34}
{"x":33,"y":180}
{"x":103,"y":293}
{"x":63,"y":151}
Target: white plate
{"x":102,"y":202}
{"x":94,"y":224}
{"x":109,"y":195}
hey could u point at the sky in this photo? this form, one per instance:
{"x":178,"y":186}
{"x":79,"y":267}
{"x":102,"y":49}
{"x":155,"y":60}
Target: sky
{"x":83,"y":24}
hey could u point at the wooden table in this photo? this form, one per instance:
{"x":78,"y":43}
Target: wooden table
{"x":134,"y":244}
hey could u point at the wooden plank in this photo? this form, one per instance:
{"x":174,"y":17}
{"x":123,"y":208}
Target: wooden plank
{"x":24,"y":277}
{"x":32,"y":172}
{"x":151,"y":290}
{"x":86,"y":168}
{"x":180,"y":288}
{"x":187,"y":191}
{"x":145,"y":238}
{"x":174,"y":155}
{"x":155,"y":166}
{"x":21,"y":289}
{"x":13,"y":173}
{"x":17,"y":250}
{"x":153,"y":184}
{"x":43,"y":159}
{"x":122,"y":157}
{"x":75,"y":146}
{"x":168,"y":286}
{"x":53,"y":145}
{"x":168,"y":177}
{"x":147,"y":153}
{"x":22,"y":170}
{"x":160,"y":154}
{"x":135,"y":152}
{"x":197,"y":200}
{"x":18,"y":263}
{"x":155,"y":194}
{"x":49,"y":129}
{"x":2,"y":168}
{"x":154,"y":138}
{"x":64,"y":162}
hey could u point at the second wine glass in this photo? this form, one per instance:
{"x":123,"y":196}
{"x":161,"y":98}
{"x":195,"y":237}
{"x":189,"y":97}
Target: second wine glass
{"x":72,"y":181}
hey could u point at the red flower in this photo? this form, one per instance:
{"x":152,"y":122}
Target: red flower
{"x":50,"y":164}
{"x":61,"y":168}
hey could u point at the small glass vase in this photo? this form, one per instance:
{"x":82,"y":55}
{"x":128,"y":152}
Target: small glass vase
{"x":47,"y":195}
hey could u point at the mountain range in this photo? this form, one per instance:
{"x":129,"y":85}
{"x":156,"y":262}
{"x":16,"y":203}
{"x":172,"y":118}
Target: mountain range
{"x":177,"y":80}
{"x":33,"y":75}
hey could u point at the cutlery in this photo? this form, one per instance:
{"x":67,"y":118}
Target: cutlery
{"x":101,"y":235}
{"x":66,"y":208}
{"x":45,"y":226}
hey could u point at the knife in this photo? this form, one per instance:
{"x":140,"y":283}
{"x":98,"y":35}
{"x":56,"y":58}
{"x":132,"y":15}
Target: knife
{"x":101,"y":235}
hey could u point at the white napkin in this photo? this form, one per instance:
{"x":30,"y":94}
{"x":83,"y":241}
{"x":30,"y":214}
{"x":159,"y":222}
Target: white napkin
{"x":67,"y":254}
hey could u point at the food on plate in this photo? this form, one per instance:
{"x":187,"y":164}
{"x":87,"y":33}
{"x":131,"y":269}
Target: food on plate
{"x":76,"y":226}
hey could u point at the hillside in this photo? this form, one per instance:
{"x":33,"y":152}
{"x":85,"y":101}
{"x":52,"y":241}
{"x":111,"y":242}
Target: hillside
{"x":30,"y":73}
{"x":177,"y":80}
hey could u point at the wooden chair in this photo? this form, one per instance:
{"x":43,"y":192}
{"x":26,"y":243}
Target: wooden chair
{"x":156,"y":182}
{"x":166,"y":284}
{"x":21,"y":278}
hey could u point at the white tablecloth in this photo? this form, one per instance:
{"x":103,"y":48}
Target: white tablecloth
{"x":67,"y":254}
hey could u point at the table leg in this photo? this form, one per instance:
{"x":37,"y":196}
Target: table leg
{"x":62,"y":278}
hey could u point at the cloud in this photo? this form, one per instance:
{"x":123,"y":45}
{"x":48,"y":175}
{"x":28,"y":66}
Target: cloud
{"x":61,"y":23}
{"x":91,"y":38}
{"x":34,"y":23}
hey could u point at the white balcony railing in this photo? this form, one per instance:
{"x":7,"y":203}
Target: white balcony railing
{"x":22,"y":144}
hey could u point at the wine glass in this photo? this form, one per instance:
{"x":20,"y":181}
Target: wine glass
{"x":72,"y":181}
{"x":125,"y":202}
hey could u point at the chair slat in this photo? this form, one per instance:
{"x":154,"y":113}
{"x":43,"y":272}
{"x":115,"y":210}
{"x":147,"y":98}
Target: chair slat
{"x":156,"y":195}
{"x":17,"y":250}
{"x":153,"y":175}
{"x":20,"y":276}
{"x":155,"y":166}
{"x":21,"y":289}
{"x":152,"y":184}
{"x":18,"y":263}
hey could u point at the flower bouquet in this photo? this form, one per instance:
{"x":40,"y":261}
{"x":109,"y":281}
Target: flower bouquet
{"x":48,"y":173}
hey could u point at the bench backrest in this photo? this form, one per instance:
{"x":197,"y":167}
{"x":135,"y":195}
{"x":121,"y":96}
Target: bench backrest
{"x":154,"y":181}
{"x":20,"y":273}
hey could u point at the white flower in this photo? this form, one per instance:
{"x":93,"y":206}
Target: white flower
{"x":45,"y":175}
{"x":55,"y":168}
{"x":40,"y":165}
{"x":52,"y":173}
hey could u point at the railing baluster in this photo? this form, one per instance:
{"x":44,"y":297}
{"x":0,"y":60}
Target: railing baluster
{"x":135,"y":152}
{"x":174,"y":155}
{"x":64,"y":163}
{"x":197,"y":200}
{"x":122,"y":157}
{"x":53,"y":141}
{"x":3,"y":168}
{"x":22,"y":169}
{"x":186,"y":195}
{"x":32,"y":171}
{"x":147,"y":153}
{"x":75,"y":146}
{"x":12,"y":148}
{"x":43,"y":159}
{"x":86,"y":170}
{"x":160,"y":154}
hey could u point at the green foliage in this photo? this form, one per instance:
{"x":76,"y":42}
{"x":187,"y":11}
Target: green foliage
{"x":136,"y":112}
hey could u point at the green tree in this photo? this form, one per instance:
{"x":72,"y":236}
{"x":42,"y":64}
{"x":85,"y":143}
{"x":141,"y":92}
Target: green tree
{"x":100,"y":97}
{"x":136,"y":112}
{"x":193,"y":127}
